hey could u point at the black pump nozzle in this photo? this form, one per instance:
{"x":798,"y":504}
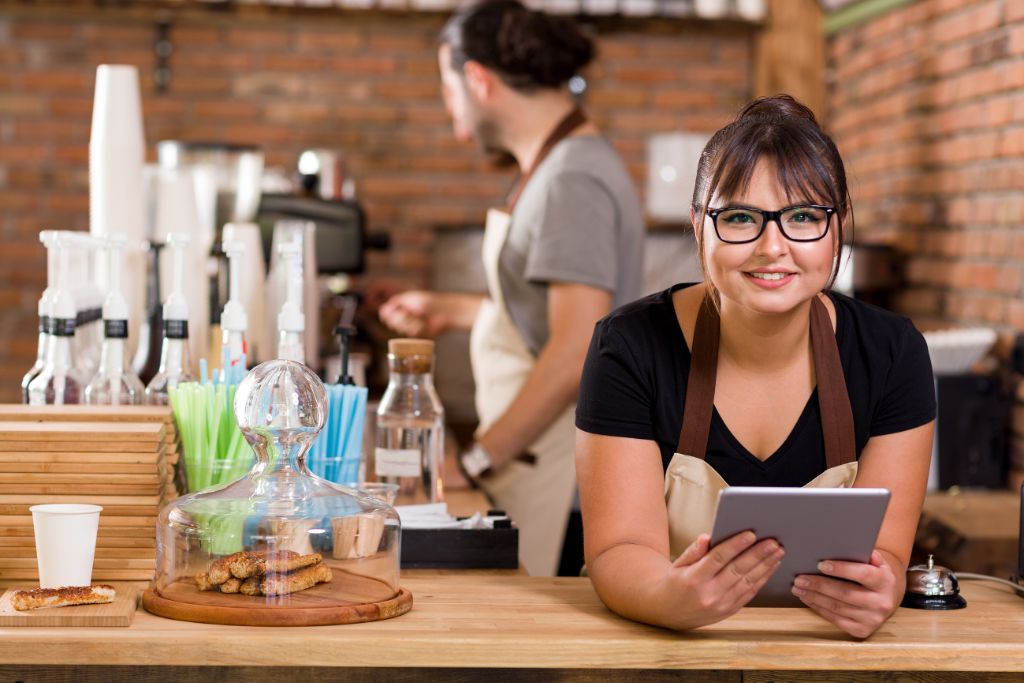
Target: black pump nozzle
{"x":344,"y":333}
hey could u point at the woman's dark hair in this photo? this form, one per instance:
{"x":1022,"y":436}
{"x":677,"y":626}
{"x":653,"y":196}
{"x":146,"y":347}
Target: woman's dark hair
{"x":527,"y":49}
{"x":783,"y":131}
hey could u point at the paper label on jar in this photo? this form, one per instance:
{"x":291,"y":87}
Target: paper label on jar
{"x":397,"y":462}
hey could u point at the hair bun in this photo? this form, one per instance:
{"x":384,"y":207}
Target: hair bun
{"x":777,"y":107}
{"x":549,"y":49}
{"x":528,"y":49}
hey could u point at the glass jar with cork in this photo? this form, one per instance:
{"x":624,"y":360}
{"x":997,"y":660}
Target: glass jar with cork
{"x":410,"y":425}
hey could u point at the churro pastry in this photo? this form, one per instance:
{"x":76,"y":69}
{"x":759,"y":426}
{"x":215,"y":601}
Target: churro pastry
{"x":288,"y":561}
{"x":282,"y":584}
{"x":251,"y":573}
{"x":203,"y":582}
{"x":232,"y":585}
{"x":274,"y":562}
{"x":62,"y":597}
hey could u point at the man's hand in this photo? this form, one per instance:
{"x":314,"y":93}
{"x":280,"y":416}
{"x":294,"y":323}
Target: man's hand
{"x":415,"y":314}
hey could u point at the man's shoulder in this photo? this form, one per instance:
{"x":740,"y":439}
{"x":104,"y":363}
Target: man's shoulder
{"x":590,"y":155}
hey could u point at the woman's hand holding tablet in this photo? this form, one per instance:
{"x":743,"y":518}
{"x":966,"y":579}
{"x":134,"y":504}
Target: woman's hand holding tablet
{"x":711,"y":584}
{"x":858,"y":600}
{"x":832,"y":565}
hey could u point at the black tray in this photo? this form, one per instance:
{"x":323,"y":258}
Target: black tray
{"x":460,"y":548}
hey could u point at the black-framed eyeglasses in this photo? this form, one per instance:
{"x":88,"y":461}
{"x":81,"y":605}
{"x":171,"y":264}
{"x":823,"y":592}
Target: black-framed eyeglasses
{"x":742,"y":224}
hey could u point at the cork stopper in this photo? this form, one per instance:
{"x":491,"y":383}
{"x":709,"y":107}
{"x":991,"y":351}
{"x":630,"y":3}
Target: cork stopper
{"x":411,"y":355}
{"x":411,"y":347}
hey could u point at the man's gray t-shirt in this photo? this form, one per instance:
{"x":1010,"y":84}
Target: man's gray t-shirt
{"x":577,"y":221}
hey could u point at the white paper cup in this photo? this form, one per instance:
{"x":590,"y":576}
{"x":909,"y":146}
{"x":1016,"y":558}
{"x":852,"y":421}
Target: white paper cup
{"x":65,"y":543}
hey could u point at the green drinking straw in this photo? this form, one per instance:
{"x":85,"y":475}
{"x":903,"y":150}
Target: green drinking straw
{"x":213,"y":449}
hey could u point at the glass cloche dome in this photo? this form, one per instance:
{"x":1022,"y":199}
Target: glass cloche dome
{"x":279,"y":545}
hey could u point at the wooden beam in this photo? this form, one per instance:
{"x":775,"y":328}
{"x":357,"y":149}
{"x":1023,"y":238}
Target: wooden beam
{"x":789,"y":53}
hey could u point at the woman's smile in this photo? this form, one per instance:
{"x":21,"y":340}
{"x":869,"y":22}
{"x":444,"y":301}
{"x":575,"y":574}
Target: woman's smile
{"x":770,"y":279}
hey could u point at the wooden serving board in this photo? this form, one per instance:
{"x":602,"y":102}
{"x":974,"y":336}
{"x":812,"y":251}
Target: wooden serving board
{"x":83,"y":432}
{"x":118,"y":502}
{"x":129,"y":467}
{"x":111,"y":525}
{"x":101,"y":552}
{"x":85,"y":489}
{"x":125,"y":542}
{"x":321,"y":605}
{"x":85,"y":413}
{"x":145,"y":479}
{"x":79,"y":458}
{"x":98,"y":564}
{"x":67,"y":445}
{"x":117,"y":613}
{"x":29,"y":576}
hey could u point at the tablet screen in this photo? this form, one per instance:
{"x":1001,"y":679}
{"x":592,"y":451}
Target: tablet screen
{"x":812,"y":524}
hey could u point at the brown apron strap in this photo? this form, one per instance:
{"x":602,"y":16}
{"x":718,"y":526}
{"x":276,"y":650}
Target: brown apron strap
{"x":567,"y":125}
{"x":833,"y":399}
{"x":700,"y":386}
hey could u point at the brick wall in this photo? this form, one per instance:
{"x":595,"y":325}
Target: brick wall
{"x":359,"y":81}
{"x":927,"y":104}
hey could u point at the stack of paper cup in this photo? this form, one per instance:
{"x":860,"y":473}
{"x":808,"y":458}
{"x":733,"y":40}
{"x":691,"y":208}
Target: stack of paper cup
{"x":65,"y":543}
{"x":117,"y":151}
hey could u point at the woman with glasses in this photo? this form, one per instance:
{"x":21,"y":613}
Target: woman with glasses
{"x":759,"y":376}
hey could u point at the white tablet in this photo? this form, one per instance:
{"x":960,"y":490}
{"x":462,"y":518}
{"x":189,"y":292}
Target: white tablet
{"x":812,"y":524}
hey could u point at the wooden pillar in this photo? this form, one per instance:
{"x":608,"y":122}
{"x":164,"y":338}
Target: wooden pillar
{"x":789,"y":53}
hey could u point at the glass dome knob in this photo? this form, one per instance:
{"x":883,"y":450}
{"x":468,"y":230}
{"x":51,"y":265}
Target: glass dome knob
{"x":280,"y":397}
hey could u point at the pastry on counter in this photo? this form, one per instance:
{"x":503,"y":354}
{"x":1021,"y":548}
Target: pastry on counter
{"x":282,"y":584}
{"x":62,"y":597}
{"x":264,"y":573}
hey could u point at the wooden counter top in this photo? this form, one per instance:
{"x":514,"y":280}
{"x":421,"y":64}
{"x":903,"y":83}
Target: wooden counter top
{"x":480,"y":621}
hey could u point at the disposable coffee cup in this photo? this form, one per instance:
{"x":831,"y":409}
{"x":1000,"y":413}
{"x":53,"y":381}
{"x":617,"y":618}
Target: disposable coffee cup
{"x":65,"y":543}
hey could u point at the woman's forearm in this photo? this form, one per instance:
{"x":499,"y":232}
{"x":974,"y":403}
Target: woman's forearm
{"x":630,"y":580}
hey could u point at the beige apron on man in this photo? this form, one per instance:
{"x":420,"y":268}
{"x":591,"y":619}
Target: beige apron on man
{"x":538,"y":497}
{"x":691,"y":485}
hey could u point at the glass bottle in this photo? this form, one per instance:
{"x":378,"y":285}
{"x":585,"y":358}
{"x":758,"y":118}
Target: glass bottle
{"x":88,"y":341}
{"x":45,"y":302}
{"x":86,"y":257}
{"x":175,"y":363}
{"x":149,"y":354}
{"x":114,"y":383}
{"x":59,"y":382}
{"x":37,"y":367}
{"x":410,"y":424}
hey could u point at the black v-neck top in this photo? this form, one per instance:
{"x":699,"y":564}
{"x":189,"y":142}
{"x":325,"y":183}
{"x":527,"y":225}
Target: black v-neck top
{"x":634,"y":385}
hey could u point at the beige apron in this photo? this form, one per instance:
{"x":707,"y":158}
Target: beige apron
{"x":537,"y":497}
{"x":691,"y":485}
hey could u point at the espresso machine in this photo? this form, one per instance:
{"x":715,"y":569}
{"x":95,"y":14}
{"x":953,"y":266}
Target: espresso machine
{"x":322,"y":209}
